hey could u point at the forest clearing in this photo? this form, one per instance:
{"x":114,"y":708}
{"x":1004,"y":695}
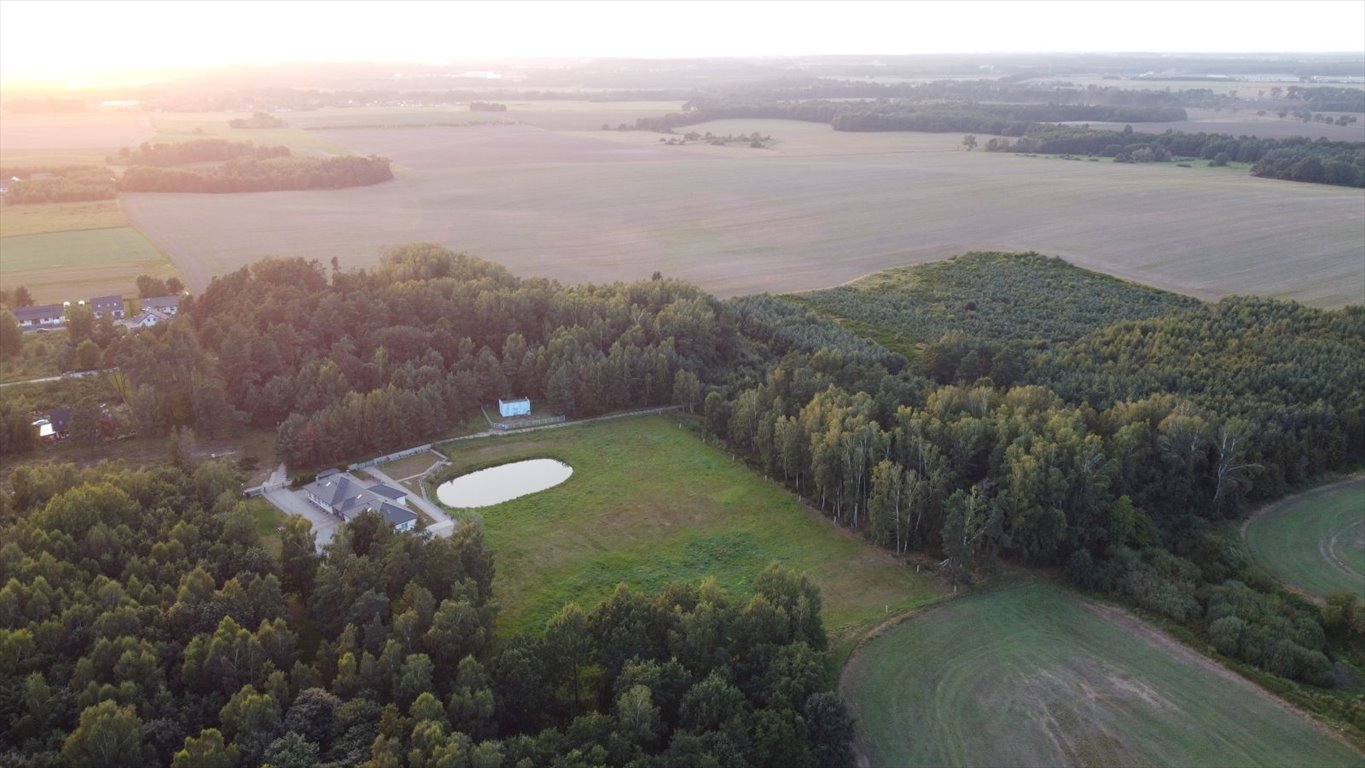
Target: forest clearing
{"x":650,"y":503}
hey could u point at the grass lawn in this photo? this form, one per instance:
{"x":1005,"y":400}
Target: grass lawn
{"x":268,"y":521}
{"x":1315,"y":541}
{"x":408,"y":466}
{"x":17,"y":220}
{"x":68,"y":266}
{"x":649,"y":503}
{"x":1029,"y":674}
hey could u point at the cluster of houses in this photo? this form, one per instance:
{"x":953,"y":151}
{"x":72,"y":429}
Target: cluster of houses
{"x":344,"y":496}
{"x":151,"y":312}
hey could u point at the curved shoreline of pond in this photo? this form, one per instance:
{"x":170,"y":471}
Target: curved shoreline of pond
{"x":503,"y":482}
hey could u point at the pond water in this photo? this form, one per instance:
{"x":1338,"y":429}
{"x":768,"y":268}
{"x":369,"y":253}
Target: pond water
{"x":502,"y":483}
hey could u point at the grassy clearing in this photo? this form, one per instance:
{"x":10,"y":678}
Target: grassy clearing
{"x":409,"y":465}
{"x":822,"y":208}
{"x":1315,"y":541}
{"x":650,"y":503}
{"x":66,"y":266}
{"x":268,"y":521}
{"x":1029,"y":674}
{"x":18,"y":220}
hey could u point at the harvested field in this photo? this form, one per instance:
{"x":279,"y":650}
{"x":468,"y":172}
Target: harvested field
{"x":66,"y":266}
{"x":1032,"y":675}
{"x":28,"y":134}
{"x":1315,"y":541}
{"x":739,"y":221}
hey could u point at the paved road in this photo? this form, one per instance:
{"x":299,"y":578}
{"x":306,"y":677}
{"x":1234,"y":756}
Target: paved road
{"x":443,"y":526}
{"x":293,"y":503}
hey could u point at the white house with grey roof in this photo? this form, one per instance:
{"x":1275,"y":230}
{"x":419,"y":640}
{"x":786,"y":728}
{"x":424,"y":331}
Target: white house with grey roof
{"x":41,"y":316}
{"x":111,"y":306}
{"x":342,"y":495}
{"x":166,"y":305}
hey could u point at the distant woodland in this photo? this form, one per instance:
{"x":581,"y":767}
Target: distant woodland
{"x":240,"y":166}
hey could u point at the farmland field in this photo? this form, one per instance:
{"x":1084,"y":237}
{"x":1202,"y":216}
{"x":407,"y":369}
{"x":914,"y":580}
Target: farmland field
{"x":1315,"y":541}
{"x":549,"y":114}
{"x":1032,"y":675}
{"x":36,"y":219}
{"x":818,"y":209}
{"x":26,"y":138}
{"x":66,"y":266}
{"x":649,"y":503}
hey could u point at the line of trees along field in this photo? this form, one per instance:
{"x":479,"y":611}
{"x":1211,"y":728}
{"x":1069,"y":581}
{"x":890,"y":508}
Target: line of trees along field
{"x":1294,"y":159}
{"x":64,"y":184}
{"x":142,"y":621}
{"x":1116,"y":451}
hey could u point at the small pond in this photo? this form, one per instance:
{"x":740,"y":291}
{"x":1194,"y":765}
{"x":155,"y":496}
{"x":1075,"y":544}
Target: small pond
{"x":502,"y":483}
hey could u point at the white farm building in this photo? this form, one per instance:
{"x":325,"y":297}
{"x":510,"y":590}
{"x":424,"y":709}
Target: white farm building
{"x":521,"y":407}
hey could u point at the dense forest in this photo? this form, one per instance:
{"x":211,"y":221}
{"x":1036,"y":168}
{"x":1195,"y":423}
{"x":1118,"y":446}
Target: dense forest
{"x":251,"y":175}
{"x":1114,"y":438}
{"x":144,"y":620}
{"x":64,"y":184}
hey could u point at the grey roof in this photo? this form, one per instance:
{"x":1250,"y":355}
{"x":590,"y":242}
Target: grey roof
{"x":395,"y":514}
{"x":387,"y":492}
{"x":514,"y":400}
{"x":107,"y":301}
{"x":161,"y":302}
{"x":37,"y":313}
{"x":340,"y":492}
{"x":343,"y":494}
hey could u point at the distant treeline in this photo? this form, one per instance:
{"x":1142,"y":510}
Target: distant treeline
{"x":197,"y":151}
{"x":486,"y":106}
{"x":287,"y":173}
{"x":996,"y":119}
{"x":997,"y":91}
{"x":67,"y":184}
{"x":1295,"y":159}
{"x":1325,"y":99}
{"x":257,"y":120}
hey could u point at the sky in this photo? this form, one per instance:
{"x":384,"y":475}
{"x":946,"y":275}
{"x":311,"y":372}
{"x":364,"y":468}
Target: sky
{"x":64,"y":40}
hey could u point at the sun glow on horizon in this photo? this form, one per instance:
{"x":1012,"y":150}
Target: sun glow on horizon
{"x":96,"y":43}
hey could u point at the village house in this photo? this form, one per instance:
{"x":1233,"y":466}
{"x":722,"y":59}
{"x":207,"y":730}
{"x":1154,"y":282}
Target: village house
{"x":110,"y":306}
{"x":342,"y":495}
{"x":41,"y":316}
{"x":149,"y":319}
{"x":166,"y":305}
{"x":519,"y":407}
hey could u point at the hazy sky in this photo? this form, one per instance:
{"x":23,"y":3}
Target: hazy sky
{"x":57,"y":40}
